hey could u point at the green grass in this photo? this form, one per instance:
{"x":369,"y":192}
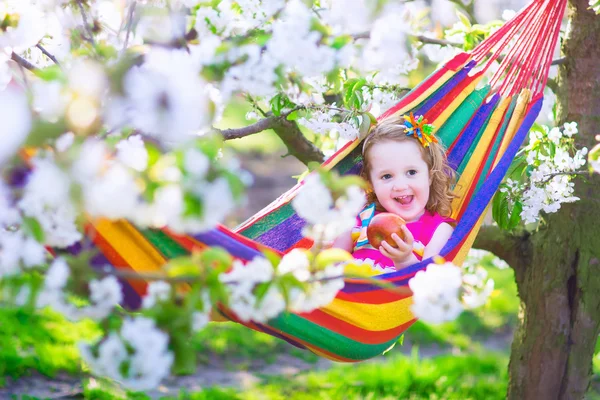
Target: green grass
{"x":476,"y":376}
{"x":45,"y":342}
{"x":228,"y":339}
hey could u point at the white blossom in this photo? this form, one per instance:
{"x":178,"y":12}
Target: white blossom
{"x":327,"y":283}
{"x":16,"y":121}
{"x":47,"y":199}
{"x":148,"y":358}
{"x":158,"y":291}
{"x":436,"y":293}
{"x":132,"y":153}
{"x":18,"y":251}
{"x":65,"y":141}
{"x":326,"y":219}
{"x":105,"y":294}
{"x":29,"y":28}
{"x":196,"y":163}
{"x":256,"y":76}
{"x":296,"y":46}
{"x":570,"y":129}
{"x":242,"y":279}
{"x":165,"y":97}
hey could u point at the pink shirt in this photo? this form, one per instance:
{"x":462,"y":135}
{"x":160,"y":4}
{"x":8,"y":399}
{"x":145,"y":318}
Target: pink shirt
{"x":422,"y":231}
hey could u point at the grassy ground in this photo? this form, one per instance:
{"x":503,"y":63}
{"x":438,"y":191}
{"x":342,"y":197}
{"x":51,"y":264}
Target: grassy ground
{"x":456,"y":360}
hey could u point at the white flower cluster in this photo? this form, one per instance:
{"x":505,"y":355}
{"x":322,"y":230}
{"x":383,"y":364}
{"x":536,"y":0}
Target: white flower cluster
{"x":321,"y":123}
{"x":442,"y":291}
{"x":18,"y":251}
{"x":436,"y":293}
{"x":47,"y":199}
{"x":327,"y":219}
{"x":550,"y":184}
{"x":319,"y":288}
{"x":105,"y":294}
{"x":477,"y":287}
{"x":389,"y":32}
{"x":138,"y":356}
{"x":165,"y":97}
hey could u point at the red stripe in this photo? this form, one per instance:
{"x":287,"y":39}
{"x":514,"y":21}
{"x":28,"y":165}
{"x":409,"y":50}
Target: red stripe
{"x":229,"y":314}
{"x":353,"y":332}
{"x":382,"y":296}
{"x":441,"y":106}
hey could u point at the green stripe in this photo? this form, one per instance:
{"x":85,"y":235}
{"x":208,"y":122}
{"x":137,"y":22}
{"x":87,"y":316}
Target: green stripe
{"x":279,"y":216}
{"x":268,"y":221}
{"x":496,"y":146}
{"x":461,"y":116}
{"x":325,"y":339}
{"x":167,"y":246}
{"x":475,"y":142}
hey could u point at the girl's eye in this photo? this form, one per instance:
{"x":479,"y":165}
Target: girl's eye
{"x":412,"y":172}
{"x":386,"y":176}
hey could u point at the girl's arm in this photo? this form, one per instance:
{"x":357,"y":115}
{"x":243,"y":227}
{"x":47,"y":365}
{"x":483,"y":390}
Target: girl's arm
{"x":344,"y":242}
{"x":438,"y":240}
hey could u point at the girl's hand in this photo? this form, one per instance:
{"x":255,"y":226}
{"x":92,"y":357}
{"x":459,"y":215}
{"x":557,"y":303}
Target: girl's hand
{"x":403,"y":252}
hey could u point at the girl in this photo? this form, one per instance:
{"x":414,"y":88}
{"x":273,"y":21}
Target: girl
{"x":409,"y":176}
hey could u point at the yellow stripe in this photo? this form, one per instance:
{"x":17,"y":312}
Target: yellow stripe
{"x":467,"y":178}
{"x":371,"y":317}
{"x":515,"y":122}
{"x":464,"y":250}
{"x":130,"y":244}
{"x":449,"y":110}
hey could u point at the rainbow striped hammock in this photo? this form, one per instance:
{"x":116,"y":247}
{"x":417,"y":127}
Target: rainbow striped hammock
{"x":482,"y":122}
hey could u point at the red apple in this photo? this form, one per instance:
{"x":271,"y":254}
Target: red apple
{"x":381,"y":228}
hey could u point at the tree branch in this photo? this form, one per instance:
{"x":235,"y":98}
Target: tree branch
{"x":129,"y":23}
{"x":262,"y":125}
{"x":296,"y":143}
{"x":47,"y":54}
{"x":441,"y":42}
{"x":85,"y":23}
{"x":515,"y":250}
{"x":23,"y":62}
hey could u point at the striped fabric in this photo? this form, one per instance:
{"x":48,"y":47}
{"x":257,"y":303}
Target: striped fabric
{"x":482,"y":128}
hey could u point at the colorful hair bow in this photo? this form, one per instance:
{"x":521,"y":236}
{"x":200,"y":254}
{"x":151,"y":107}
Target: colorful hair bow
{"x":420,"y":129}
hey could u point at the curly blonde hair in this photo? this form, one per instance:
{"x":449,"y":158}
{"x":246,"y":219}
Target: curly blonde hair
{"x":442,"y":176}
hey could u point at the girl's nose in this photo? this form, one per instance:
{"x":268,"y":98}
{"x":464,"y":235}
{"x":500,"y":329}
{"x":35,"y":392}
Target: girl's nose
{"x":399,"y":185}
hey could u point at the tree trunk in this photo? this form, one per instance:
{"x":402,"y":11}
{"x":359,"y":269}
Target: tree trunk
{"x":560,"y":288}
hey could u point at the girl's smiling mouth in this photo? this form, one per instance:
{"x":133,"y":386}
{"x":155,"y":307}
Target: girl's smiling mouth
{"x":404,"y":200}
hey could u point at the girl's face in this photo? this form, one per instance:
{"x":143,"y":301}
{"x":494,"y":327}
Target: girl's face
{"x":400,"y":178}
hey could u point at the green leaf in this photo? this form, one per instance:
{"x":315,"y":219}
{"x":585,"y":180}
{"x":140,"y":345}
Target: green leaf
{"x":515,"y":216}
{"x":500,"y":205}
{"x":182,"y":266}
{"x":464,"y":19}
{"x":341,"y":41}
{"x":51,"y":73}
{"x":260,"y":291}
{"x":192,"y":206}
{"x":365,"y":126}
{"x":42,"y":132}
{"x":273,"y":257}
{"x":34,"y":228}
{"x":293,"y":116}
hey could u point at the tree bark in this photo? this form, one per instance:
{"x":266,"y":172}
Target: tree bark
{"x":560,"y":288}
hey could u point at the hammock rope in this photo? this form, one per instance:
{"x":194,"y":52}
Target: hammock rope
{"x":481,"y":125}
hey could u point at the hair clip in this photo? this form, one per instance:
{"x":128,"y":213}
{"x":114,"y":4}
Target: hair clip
{"x":420,"y":129}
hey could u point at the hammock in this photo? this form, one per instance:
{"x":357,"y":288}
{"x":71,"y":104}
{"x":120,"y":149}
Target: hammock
{"x":481,"y":126}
